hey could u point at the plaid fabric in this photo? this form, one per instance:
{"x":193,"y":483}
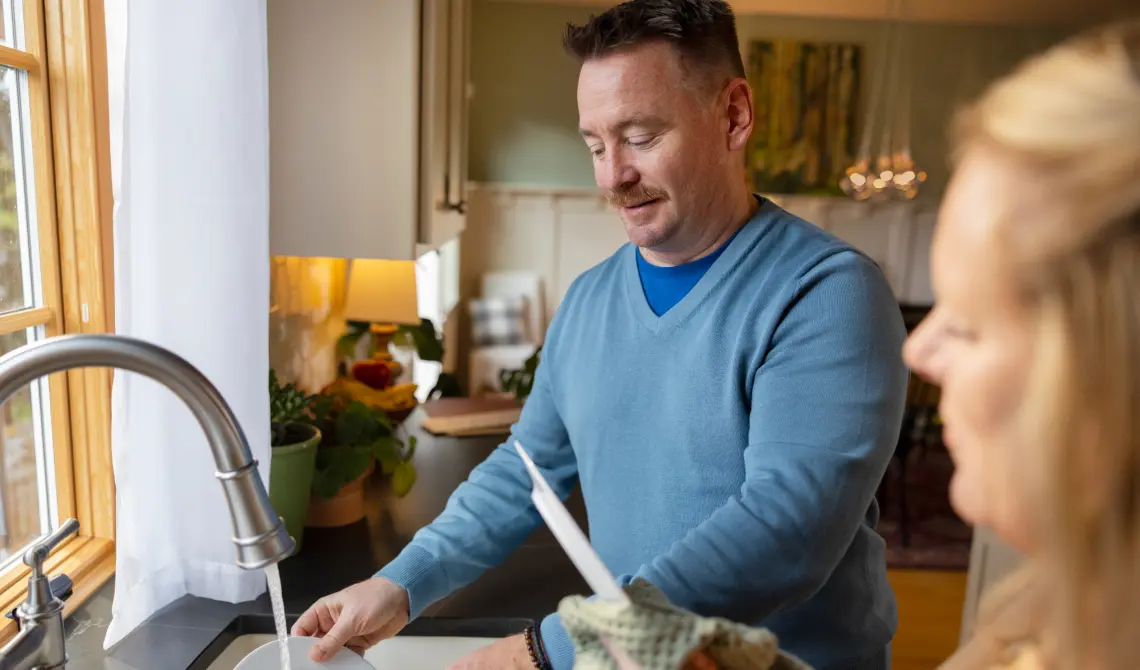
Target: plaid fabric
{"x":497,"y":321}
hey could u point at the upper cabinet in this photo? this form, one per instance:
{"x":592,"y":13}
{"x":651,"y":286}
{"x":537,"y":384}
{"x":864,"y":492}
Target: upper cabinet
{"x":445,"y":98}
{"x":368,"y":105}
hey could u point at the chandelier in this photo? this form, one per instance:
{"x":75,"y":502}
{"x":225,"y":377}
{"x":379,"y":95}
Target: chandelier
{"x":887,"y":171}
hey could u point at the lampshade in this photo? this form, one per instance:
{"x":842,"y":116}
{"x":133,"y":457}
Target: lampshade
{"x":382,"y":292}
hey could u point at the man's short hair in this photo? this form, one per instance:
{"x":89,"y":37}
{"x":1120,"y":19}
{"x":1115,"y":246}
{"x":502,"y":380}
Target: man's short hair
{"x":702,"y":31}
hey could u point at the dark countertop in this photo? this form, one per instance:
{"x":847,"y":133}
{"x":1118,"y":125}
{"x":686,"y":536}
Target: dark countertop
{"x":527,"y":586}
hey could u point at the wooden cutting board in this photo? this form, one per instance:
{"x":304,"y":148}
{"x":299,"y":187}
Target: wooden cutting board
{"x":468,"y":417}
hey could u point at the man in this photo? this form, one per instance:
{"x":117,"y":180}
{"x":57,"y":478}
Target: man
{"x":727,"y":388}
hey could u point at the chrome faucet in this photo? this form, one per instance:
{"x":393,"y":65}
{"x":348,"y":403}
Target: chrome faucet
{"x":39,"y":642}
{"x":259,"y":537}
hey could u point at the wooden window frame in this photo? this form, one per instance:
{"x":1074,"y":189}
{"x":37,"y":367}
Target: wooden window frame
{"x":66,"y":62}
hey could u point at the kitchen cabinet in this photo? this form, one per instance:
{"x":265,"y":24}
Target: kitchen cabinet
{"x":443,"y":174}
{"x":368,"y":108}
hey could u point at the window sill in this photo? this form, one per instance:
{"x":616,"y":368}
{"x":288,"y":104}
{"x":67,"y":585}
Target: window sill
{"x":89,"y":561}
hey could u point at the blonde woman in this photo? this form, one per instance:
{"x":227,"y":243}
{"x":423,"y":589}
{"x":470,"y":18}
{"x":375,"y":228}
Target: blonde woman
{"x":1035,"y":341}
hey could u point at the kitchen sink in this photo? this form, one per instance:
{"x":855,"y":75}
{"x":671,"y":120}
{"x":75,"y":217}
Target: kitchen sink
{"x":426,"y":644}
{"x":404,"y":652}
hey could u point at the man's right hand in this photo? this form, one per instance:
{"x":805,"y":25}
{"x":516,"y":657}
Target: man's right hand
{"x":358,"y":617}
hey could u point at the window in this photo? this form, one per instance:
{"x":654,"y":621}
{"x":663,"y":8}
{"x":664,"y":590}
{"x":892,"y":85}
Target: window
{"x":54,"y":263}
{"x":437,"y":290}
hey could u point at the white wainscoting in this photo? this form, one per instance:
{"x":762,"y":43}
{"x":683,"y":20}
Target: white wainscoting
{"x":560,"y":233}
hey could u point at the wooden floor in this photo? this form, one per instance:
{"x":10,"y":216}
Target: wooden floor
{"x":930,"y":616}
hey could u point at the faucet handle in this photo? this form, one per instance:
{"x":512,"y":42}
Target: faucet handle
{"x":61,"y":589}
{"x":36,"y":554}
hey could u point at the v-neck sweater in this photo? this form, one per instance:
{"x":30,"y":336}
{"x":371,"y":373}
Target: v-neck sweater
{"x":728,"y":450}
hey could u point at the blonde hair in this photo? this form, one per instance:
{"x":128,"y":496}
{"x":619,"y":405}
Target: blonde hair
{"x":1070,"y":120}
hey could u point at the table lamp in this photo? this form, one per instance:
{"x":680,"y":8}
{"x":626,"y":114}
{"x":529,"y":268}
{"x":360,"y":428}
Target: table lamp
{"x":383,"y":294}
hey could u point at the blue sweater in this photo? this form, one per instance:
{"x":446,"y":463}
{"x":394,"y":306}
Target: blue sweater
{"x":728,"y":450}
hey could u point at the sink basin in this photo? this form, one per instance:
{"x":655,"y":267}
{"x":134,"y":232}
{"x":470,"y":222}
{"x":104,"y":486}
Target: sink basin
{"x":403,"y":652}
{"x":425,"y":644}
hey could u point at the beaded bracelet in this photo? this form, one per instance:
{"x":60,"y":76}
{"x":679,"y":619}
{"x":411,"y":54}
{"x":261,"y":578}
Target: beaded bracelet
{"x":535,"y":649}
{"x":542,"y":655}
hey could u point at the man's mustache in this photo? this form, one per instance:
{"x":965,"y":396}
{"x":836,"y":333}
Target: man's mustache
{"x":636,"y":194}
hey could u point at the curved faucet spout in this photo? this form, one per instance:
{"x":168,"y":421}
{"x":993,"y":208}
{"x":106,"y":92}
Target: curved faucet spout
{"x":259,"y":535}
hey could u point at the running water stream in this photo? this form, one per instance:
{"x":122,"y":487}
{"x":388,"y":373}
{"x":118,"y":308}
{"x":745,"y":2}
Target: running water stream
{"x":274,"y":578}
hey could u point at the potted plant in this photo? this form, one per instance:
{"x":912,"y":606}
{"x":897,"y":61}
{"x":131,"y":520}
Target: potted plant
{"x":293,"y":454}
{"x":356,"y":436}
{"x":519,"y":382}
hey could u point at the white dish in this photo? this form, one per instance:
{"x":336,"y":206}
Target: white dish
{"x":268,"y":657}
{"x":410,"y":652}
{"x":403,"y":652}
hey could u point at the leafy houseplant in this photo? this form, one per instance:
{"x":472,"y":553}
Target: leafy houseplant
{"x":293,"y":453}
{"x":355,"y":437}
{"x":288,"y":406}
{"x":519,"y":382}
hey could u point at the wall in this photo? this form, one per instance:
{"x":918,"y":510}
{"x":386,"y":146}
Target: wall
{"x":306,"y":318}
{"x":524,"y":117}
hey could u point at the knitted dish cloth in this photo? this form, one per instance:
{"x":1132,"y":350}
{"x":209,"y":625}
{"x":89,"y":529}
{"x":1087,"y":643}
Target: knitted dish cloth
{"x":659,"y":636}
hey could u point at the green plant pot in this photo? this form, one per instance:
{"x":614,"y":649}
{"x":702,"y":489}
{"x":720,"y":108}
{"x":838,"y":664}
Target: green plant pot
{"x":291,"y":476}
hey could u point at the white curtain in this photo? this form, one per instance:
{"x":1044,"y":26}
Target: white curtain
{"x":190,"y":140}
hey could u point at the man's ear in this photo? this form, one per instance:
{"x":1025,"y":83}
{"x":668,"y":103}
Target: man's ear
{"x":737,"y":97}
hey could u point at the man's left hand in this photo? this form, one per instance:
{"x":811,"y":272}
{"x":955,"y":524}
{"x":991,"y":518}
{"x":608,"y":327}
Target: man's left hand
{"x":506,"y":654}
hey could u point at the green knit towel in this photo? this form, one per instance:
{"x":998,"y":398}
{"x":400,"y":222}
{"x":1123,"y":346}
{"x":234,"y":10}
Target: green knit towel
{"x":659,"y":636}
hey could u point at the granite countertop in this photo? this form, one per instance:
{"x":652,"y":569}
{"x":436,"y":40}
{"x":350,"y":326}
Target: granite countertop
{"x":526,"y":587}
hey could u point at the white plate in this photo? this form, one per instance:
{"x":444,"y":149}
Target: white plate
{"x":412,"y":652}
{"x":403,"y":652}
{"x":268,"y":657}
